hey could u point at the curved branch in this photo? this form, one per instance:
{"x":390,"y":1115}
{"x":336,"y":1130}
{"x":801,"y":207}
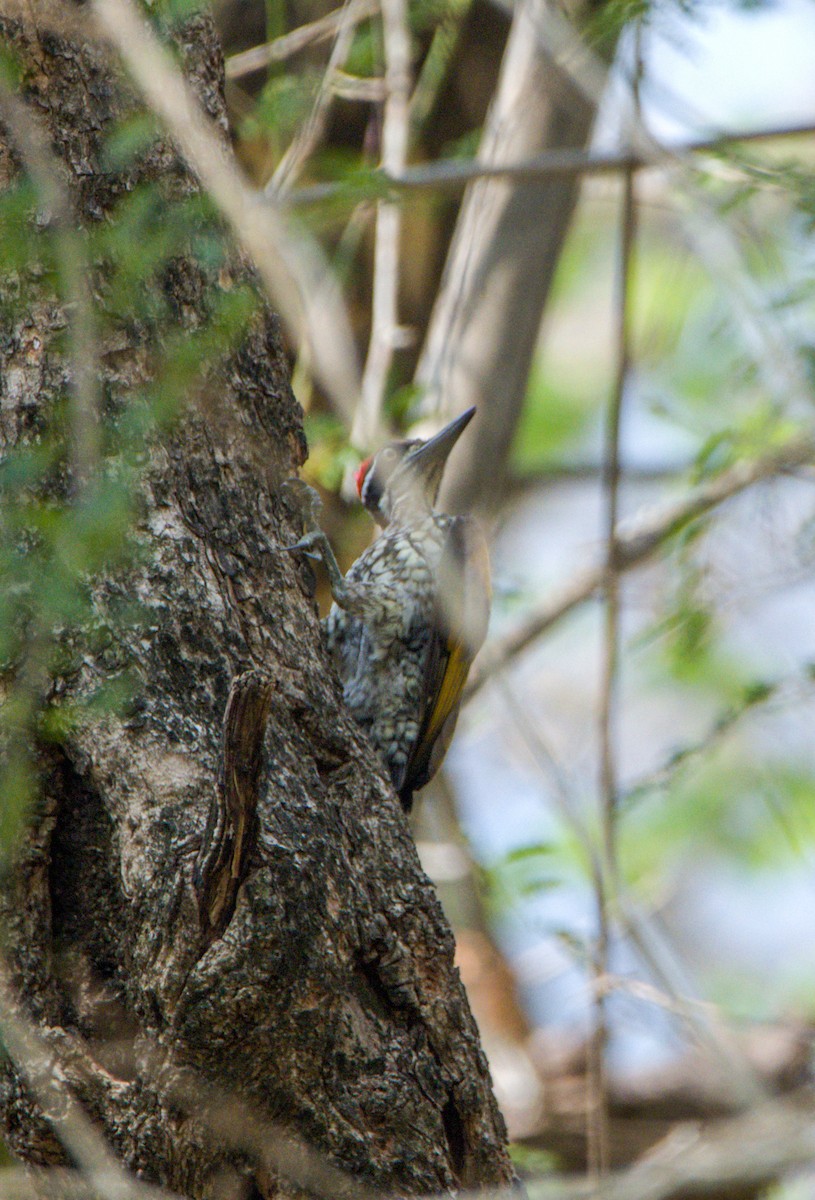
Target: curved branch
{"x":636,"y":542}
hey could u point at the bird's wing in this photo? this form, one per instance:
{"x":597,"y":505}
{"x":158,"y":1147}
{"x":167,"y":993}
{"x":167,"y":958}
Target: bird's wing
{"x":461,"y":613}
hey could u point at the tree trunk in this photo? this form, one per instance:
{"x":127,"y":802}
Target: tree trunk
{"x":501,"y":263}
{"x":216,"y":916}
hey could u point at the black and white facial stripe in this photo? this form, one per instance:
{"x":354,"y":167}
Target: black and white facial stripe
{"x":374,"y":476}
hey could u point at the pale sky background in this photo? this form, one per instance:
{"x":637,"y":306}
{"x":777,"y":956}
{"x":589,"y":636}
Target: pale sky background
{"x":729,"y":69}
{"x":724,"y":70}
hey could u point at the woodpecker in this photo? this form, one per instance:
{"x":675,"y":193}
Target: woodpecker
{"x":411,"y":613}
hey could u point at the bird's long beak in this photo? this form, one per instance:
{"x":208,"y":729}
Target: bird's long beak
{"x":428,"y":459}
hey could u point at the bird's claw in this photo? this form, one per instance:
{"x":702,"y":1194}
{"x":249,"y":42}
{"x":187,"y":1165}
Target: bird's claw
{"x":309,"y":545}
{"x":308,"y":502}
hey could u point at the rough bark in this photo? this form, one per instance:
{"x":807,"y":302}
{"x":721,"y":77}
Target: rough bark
{"x":221,"y":929}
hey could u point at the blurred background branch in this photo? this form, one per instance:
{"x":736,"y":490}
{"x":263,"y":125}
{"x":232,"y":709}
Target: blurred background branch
{"x":499,"y":271}
{"x":637,"y":540}
{"x":291,"y":268}
{"x":368,"y":428}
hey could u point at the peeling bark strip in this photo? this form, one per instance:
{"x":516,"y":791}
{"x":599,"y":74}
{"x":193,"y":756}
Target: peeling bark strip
{"x":316,"y":992}
{"x":231,"y":831}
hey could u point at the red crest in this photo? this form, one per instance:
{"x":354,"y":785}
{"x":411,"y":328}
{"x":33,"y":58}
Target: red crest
{"x":359,"y":475}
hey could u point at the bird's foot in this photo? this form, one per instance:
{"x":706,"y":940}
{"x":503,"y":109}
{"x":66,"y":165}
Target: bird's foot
{"x":308,"y":502}
{"x":311,"y":544}
{"x":314,"y":543}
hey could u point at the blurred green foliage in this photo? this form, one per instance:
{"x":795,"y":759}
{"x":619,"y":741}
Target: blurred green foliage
{"x":330,"y":455}
{"x":525,"y":871}
{"x":282,"y":107}
{"x":531,"y":1162}
{"x":714,"y":350}
{"x":62,"y":539}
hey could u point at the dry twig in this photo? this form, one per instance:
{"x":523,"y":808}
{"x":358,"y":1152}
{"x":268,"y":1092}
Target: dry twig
{"x":636,"y":542}
{"x":311,"y":131}
{"x":62,"y":1183}
{"x":74,"y":1129}
{"x":738,"y":1078}
{"x":765,"y":338}
{"x":486,"y":319}
{"x":453,"y":175}
{"x":765,"y":1144}
{"x":598,"y":1139}
{"x":292,"y":270}
{"x":321,"y":30}
{"x":367,"y":428}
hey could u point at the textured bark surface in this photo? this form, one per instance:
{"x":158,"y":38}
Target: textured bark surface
{"x":199,"y":928}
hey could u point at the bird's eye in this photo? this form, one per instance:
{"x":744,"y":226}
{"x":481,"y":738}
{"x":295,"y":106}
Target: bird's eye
{"x":389,"y":455}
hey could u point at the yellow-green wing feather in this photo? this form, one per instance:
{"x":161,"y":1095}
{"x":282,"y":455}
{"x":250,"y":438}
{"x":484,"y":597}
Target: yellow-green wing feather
{"x":462,"y":613}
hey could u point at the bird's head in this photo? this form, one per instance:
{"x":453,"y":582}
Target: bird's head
{"x":407,"y":473}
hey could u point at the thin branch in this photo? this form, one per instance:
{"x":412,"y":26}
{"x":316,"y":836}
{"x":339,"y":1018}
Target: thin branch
{"x":522,"y":483}
{"x":661,"y":777}
{"x":32,"y":676}
{"x":311,"y":132}
{"x":279,"y":1151}
{"x":598,"y":1130}
{"x":611,"y":488}
{"x":46,"y":1078}
{"x":228,"y":1118}
{"x":746,"y":1153}
{"x":357,"y":88}
{"x":777,"y":359}
{"x":434,"y":70}
{"x":367,"y":427}
{"x":550,"y":769}
{"x":736,"y":1073}
{"x":567,"y":52}
{"x":742,"y":1081}
{"x":453,"y":175}
{"x":500,"y":267}
{"x":636,"y":542}
{"x":64,"y":1183}
{"x":321,"y":30}
{"x":702,"y":1021}
{"x":292,"y":270}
